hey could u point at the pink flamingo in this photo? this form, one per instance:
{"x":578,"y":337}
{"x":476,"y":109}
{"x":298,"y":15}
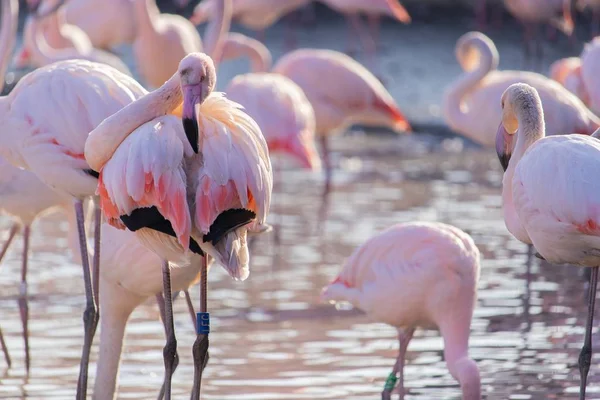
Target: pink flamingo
{"x":590,"y":62}
{"x":342,"y":92}
{"x":417,"y":275}
{"x":167,"y":37}
{"x":36,"y":50}
{"x":46,"y":135}
{"x":280,"y":108}
{"x":567,"y":72}
{"x":147,"y":166}
{"x":534,"y":12}
{"x":256,"y":15}
{"x":560,"y":219}
{"x":469,"y":106}
{"x":130,"y":275}
{"x":24,"y":197}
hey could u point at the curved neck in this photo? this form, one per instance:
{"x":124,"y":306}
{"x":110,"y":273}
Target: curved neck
{"x":117,"y":305}
{"x":456,"y":354}
{"x":145,"y":12}
{"x":106,"y":137}
{"x":41,"y":52}
{"x":217,"y":30}
{"x":8,"y":35}
{"x":457,"y":117}
{"x":237,"y":45}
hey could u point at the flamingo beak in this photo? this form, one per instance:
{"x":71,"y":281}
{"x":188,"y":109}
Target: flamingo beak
{"x":191,"y":98}
{"x":504,"y":145}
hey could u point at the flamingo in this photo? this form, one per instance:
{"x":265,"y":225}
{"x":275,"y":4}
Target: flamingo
{"x":130,"y":275}
{"x":531,"y":13}
{"x":167,"y":37}
{"x":341,"y":91}
{"x":417,"y":275}
{"x":279,"y":106}
{"x":567,"y":72}
{"x":590,"y":61}
{"x":37,"y":52}
{"x":46,"y":135}
{"x":93,"y":17}
{"x":24,"y":197}
{"x":469,"y":106}
{"x":256,"y":15}
{"x":154,"y":171}
{"x":374,"y":9}
{"x":560,"y":219}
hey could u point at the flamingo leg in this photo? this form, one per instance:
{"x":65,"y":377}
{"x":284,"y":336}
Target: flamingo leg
{"x":11,"y":235}
{"x":326,"y":162}
{"x":160,"y":300}
{"x":481,"y":14}
{"x":170,"y":350}
{"x":404,"y":337}
{"x":96,"y":258}
{"x":357,"y":28}
{"x":5,"y":349}
{"x":90,"y":315}
{"x":200,"y":347}
{"x":585,"y":357}
{"x":188,"y":300}
{"x":374,"y":27}
{"x":290,"y":42}
{"x":23,"y":298}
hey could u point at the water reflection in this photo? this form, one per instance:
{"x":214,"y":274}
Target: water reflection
{"x":272,"y":339}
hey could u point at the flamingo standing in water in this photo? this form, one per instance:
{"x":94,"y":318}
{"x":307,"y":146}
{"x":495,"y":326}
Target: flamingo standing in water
{"x":534,"y":12}
{"x":24,"y":197}
{"x":470,"y":104}
{"x":278,"y":105}
{"x":46,"y":135}
{"x":341,"y":91}
{"x":196,"y":187}
{"x":417,"y":275}
{"x":37,"y":52}
{"x":549,"y":199}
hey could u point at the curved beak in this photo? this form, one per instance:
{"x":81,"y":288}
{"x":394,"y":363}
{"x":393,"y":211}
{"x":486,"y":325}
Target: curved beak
{"x":504,"y":145}
{"x":191,"y":98}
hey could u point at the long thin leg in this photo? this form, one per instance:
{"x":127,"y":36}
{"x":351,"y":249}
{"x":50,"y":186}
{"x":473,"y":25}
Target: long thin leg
{"x":188,"y":300}
{"x":404,"y":337}
{"x":374,"y":27}
{"x":356,"y":25}
{"x":5,"y":349}
{"x":90,"y":315}
{"x":96,"y":260}
{"x":585,"y":357}
{"x":170,"y":349}
{"x":160,"y":300}
{"x":326,"y":161}
{"x":11,"y":235}
{"x":290,"y":42}
{"x":200,"y":347}
{"x":23,"y":298}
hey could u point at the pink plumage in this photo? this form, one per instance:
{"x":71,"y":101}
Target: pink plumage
{"x":418,"y":275}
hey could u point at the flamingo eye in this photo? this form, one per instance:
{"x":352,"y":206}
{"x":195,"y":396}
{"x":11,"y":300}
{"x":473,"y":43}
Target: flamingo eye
{"x":202,"y":78}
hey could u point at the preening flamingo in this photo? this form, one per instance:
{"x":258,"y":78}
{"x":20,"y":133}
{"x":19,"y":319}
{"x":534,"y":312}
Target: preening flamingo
{"x":37,"y":52}
{"x":23,"y":196}
{"x":470,"y":104}
{"x":130,"y":274}
{"x":279,"y":106}
{"x":417,"y":275}
{"x":152,"y":182}
{"x":46,"y":135}
{"x":256,"y":15}
{"x":532,"y":13}
{"x":548,"y":197}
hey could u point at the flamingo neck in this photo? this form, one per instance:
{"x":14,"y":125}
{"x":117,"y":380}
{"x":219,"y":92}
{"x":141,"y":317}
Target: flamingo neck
{"x":8,"y":35}
{"x":145,"y":13}
{"x":217,"y":29}
{"x":237,"y":46}
{"x":41,"y":52}
{"x":456,"y":354}
{"x":106,"y":137}
{"x":455,"y":113}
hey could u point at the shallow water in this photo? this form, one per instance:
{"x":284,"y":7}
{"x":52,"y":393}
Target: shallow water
{"x":272,"y":339}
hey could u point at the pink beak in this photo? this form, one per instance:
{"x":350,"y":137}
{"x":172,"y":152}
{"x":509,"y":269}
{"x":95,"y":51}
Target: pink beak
{"x":504,"y":145}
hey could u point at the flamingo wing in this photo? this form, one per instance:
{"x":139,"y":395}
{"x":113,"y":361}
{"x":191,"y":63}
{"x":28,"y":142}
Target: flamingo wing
{"x":147,"y":172}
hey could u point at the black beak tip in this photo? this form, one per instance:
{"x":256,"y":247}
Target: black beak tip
{"x":504,"y":159}
{"x":190,"y":126}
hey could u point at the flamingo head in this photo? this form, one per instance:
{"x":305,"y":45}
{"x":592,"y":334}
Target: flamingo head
{"x":198,"y":79}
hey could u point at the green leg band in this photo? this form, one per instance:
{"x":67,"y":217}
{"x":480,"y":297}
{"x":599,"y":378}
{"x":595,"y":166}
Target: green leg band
{"x":390,"y":382}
